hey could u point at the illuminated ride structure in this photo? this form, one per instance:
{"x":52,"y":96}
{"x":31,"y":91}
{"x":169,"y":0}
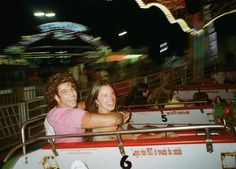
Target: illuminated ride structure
{"x":67,"y":44}
{"x":196,"y":18}
{"x":61,"y":43}
{"x":58,"y":45}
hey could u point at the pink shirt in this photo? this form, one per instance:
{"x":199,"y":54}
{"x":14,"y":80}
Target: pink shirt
{"x":66,"y":120}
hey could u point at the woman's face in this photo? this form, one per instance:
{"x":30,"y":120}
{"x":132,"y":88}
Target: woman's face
{"x":106,"y":100}
{"x":67,"y":95}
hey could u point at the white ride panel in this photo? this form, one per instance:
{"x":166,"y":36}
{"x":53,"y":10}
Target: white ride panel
{"x":172,"y":116}
{"x":177,"y":156}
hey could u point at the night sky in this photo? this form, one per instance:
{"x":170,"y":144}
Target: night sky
{"x":105,"y":18}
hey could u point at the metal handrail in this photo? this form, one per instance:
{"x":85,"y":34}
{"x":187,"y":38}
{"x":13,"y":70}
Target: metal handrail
{"x":156,"y":105}
{"x":136,"y":131}
{"x":40,"y":117}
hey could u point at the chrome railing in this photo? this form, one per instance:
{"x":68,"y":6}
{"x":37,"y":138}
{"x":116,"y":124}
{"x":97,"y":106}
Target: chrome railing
{"x":13,"y":116}
{"x":206,"y":128}
{"x":23,"y":135}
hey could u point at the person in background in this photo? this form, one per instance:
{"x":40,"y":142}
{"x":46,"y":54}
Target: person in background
{"x":160,"y":96}
{"x":102,"y":100}
{"x":174,"y":101}
{"x":199,"y":97}
{"x":139,"y":95}
{"x":65,"y":117}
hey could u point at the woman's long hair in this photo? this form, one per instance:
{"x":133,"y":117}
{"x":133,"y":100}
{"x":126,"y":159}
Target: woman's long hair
{"x":90,"y":103}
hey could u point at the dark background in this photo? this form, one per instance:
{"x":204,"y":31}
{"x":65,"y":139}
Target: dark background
{"x":105,"y":18}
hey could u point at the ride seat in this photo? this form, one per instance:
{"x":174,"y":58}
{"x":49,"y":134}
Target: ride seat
{"x":48,"y":128}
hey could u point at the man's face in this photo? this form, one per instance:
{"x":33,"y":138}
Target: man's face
{"x":67,"y":95}
{"x":106,"y":99}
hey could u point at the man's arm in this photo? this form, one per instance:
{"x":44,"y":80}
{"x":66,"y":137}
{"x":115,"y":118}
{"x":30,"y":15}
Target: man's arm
{"x":94,"y":120}
{"x":81,"y":105}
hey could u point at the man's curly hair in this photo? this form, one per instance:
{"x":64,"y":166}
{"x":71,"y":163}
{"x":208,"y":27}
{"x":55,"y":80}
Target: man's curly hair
{"x":51,"y":88}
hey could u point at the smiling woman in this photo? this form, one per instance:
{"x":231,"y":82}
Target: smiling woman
{"x":102,"y":100}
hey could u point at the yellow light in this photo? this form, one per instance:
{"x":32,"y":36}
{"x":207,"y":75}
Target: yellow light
{"x":50,"y":14}
{"x":39,"y":14}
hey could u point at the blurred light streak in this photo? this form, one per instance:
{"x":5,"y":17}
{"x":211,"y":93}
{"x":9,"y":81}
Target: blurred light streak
{"x":122,"y":33}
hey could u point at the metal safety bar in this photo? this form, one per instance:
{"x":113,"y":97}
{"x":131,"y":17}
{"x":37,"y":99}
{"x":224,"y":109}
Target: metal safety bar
{"x":40,"y":117}
{"x":158,"y":105}
{"x":120,"y":132}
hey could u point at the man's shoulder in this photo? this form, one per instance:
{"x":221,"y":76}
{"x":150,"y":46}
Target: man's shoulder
{"x":65,"y":110}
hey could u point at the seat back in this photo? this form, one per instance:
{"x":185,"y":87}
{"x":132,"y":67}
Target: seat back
{"x":48,"y":128}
